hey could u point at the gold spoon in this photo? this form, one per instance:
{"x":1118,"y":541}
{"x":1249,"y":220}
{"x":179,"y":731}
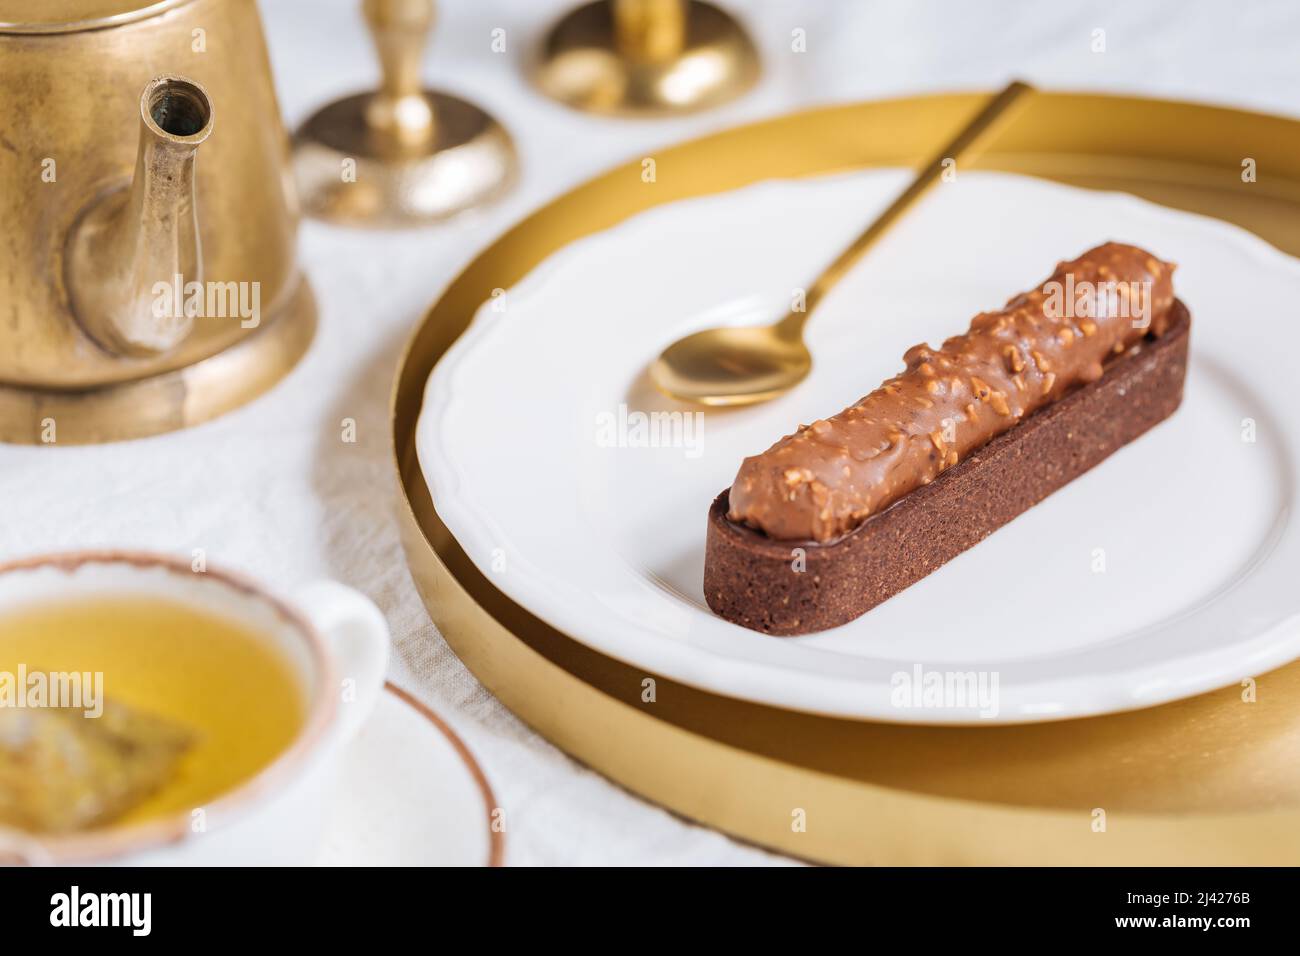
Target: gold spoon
{"x":749,"y":364}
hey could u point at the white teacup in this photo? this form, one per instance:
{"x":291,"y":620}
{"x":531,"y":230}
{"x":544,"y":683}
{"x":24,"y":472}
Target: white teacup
{"x":329,"y":634}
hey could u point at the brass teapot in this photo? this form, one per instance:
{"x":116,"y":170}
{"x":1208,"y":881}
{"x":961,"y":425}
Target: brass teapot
{"x":148,"y":273}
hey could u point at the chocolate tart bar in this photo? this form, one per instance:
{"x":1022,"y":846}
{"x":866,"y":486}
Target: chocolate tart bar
{"x":751,"y":579}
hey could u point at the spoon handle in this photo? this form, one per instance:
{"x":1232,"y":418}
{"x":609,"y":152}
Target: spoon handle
{"x":970,"y":142}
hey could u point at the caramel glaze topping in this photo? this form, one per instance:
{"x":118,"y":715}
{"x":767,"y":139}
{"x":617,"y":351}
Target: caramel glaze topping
{"x":828,"y":477}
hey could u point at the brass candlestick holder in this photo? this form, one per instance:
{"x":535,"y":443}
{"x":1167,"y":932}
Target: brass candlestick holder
{"x":646,"y":57}
{"x":401,"y":155}
{"x":148,"y":277}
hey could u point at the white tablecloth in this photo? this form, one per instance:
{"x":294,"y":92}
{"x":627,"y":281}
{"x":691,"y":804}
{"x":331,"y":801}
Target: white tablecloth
{"x":273,"y":489}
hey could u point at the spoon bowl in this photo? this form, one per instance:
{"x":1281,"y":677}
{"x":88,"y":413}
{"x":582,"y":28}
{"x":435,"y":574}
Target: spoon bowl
{"x":742,"y":365}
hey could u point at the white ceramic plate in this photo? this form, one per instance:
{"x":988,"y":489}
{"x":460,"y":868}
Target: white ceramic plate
{"x":410,"y":794}
{"x":1169,"y":570}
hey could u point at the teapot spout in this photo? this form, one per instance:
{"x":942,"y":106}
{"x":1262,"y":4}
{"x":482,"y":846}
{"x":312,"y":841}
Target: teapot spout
{"x":133,"y":247}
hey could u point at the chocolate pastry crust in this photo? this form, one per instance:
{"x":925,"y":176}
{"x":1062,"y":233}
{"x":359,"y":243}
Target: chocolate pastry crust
{"x":751,"y":579}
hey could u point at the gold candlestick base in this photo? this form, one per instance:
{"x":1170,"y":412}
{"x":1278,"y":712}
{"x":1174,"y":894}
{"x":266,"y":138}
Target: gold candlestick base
{"x":646,"y":57}
{"x":468,"y":159}
{"x":401,"y":155}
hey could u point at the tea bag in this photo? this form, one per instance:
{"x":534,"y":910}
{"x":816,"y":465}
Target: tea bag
{"x":61,"y":771}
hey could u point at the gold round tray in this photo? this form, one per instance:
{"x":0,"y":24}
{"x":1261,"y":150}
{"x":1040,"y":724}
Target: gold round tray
{"x":1211,"y":780}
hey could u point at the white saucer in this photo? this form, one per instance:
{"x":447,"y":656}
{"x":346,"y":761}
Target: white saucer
{"x":410,"y":794}
{"x":1168,"y":570}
